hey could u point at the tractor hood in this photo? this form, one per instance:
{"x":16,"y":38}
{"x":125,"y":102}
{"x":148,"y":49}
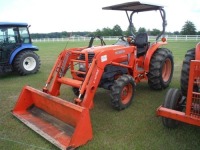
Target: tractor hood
{"x":98,"y":49}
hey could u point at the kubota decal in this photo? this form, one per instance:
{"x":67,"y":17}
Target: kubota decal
{"x":95,"y":77}
{"x":119,"y":52}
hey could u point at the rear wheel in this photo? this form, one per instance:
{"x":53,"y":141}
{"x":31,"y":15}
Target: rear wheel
{"x":160,"y":69}
{"x":190,"y":55}
{"x":26,"y":62}
{"x":174,"y":101}
{"x":122,"y":92}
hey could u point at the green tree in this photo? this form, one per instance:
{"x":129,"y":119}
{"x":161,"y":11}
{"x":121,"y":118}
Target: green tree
{"x":141,"y":30}
{"x":176,"y":32}
{"x":128,"y":31}
{"x":64,"y":34}
{"x":117,"y":31}
{"x":98,"y":32}
{"x":188,"y":28}
{"x":155,"y":32}
{"x":107,"y":32}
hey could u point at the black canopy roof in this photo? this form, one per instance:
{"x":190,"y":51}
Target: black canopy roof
{"x":134,"y":6}
{"x":11,"y":24}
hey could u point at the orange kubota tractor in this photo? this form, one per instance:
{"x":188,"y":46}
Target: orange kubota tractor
{"x":116,"y":67}
{"x":184,"y":105}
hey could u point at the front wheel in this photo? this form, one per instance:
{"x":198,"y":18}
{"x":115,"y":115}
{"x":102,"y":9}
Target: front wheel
{"x":26,"y":62}
{"x":174,"y":101}
{"x":122,"y":92}
{"x":160,"y":69}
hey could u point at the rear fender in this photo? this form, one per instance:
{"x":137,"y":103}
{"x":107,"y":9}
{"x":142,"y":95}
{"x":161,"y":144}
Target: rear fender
{"x":21,"y":48}
{"x":197,"y":52}
{"x":150,"y":53}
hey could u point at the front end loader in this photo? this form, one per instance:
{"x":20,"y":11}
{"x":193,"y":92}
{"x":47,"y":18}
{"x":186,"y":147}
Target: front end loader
{"x":64,"y":124}
{"x":184,"y":105}
{"x":116,"y":68}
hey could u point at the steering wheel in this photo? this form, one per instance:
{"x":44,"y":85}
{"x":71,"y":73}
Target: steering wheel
{"x":128,"y":39}
{"x":92,"y":41}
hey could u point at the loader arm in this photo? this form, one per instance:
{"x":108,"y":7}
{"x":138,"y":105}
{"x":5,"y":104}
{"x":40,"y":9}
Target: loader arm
{"x":93,"y":76}
{"x":59,"y":69}
{"x":96,"y":70}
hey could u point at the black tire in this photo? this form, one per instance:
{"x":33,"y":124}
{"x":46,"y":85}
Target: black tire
{"x":26,"y":62}
{"x":75,"y":91}
{"x":70,"y":148}
{"x":122,"y":92}
{"x":173,"y":100}
{"x":161,"y":69}
{"x":190,"y":55}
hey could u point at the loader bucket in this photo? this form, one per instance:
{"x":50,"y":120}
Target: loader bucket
{"x":63,"y":123}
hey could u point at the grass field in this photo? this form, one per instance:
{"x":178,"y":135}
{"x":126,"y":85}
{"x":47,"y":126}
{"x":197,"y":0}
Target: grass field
{"x":136,"y":128}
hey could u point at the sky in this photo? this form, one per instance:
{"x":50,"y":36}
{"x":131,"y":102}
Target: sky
{"x":46,"y":16}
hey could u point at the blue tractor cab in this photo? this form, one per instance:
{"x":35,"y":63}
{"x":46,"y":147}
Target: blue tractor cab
{"x":16,"y":50}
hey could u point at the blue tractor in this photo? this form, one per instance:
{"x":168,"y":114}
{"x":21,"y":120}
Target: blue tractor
{"x":16,"y":50}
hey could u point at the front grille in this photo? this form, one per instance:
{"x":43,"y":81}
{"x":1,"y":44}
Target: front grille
{"x":195,"y":110}
{"x":90,"y":57}
{"x":194,"y":82}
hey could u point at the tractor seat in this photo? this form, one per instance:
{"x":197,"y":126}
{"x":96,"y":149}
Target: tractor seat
{"x":141,"y":41}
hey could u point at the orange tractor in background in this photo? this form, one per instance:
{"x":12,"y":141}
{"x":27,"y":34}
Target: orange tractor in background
{"x":184,"y":105}
{"x":116,"y":67}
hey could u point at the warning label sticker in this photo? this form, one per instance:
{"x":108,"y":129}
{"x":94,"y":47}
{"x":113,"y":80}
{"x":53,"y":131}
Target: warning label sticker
{"x":104,"y":58}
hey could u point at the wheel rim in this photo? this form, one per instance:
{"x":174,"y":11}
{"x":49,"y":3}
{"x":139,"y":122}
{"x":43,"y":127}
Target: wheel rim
{"x":29,"y":63}
{"x":126,"y":94}
{"x":166,"y":70}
